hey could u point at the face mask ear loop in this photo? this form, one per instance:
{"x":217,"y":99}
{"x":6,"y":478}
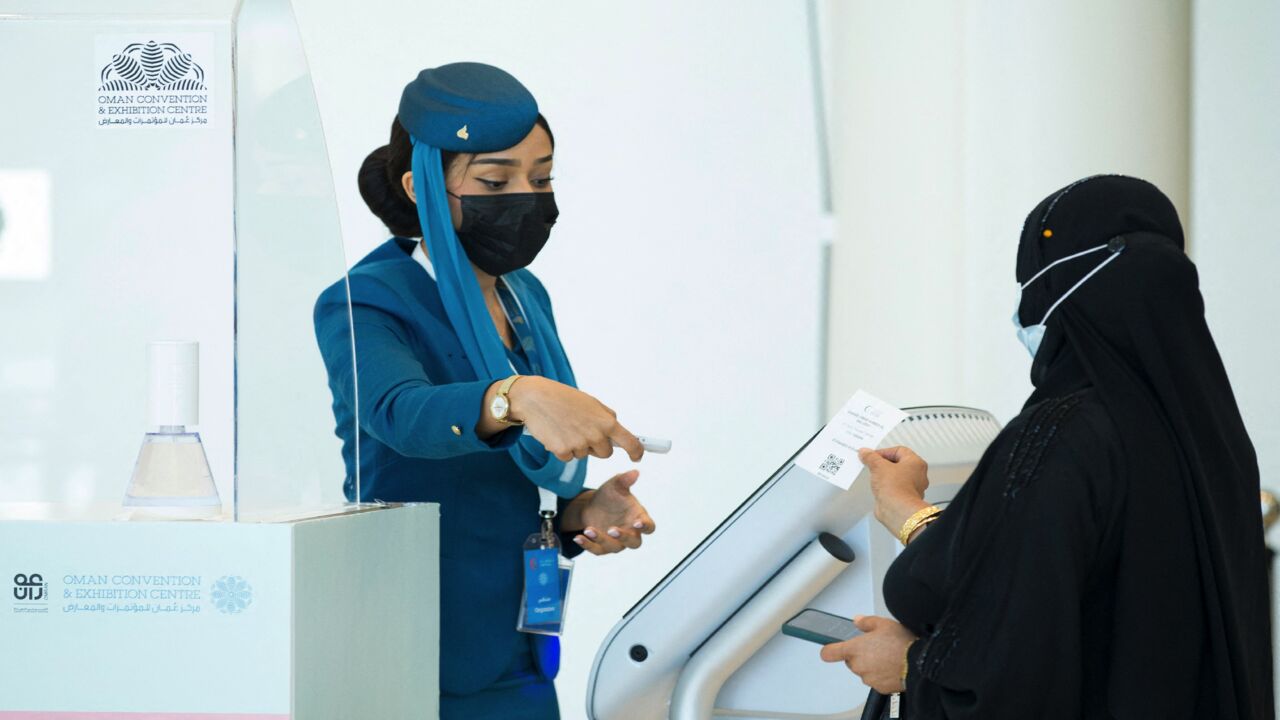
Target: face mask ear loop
{"x":1049,"y":267}
{"x":1114,"y":254}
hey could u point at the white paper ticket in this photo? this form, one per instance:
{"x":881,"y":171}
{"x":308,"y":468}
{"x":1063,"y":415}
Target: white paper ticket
{"x":864,"y":421}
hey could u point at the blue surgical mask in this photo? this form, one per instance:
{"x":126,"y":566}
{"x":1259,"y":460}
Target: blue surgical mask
{"x":1031,"y":335}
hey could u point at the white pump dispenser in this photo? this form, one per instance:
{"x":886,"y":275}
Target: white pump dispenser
{"x":171,"y":479}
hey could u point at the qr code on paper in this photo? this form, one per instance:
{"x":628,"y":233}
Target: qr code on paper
{"x":832,"y":464}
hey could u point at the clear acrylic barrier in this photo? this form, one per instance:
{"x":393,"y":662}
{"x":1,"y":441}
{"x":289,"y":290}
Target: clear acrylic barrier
{"x":290,"y":249}
{"x":163,"y":176}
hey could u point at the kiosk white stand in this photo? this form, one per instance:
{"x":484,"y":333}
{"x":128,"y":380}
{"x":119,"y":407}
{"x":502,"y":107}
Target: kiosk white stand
{"x":163,"y":176}
{"x":706,"y":640}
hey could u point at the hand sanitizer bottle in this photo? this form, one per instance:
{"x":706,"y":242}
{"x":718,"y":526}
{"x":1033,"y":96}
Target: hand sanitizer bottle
{"x":171,"y":479}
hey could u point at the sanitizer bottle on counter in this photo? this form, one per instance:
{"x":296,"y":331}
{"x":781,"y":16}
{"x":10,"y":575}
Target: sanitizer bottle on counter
{"x":171,"y":479}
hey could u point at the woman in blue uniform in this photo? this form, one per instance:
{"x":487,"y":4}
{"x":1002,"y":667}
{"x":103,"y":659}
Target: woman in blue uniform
{"x":466,"y":397}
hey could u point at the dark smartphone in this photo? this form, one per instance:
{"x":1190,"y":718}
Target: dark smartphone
{"x":820,"y":627}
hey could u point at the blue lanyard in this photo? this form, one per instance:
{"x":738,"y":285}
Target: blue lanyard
{"x":515,"y":317}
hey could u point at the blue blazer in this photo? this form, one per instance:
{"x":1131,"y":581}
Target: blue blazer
{"x":419,"y":403}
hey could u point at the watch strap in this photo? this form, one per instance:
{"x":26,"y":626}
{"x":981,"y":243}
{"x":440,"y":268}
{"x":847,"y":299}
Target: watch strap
{"x":503,"y":391}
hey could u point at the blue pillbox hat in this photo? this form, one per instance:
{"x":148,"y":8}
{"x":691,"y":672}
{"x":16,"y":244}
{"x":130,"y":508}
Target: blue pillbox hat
{"x":467,"y":107}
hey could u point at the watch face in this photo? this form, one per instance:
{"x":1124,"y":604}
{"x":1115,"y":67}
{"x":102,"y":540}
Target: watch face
{"x":499,"y":407}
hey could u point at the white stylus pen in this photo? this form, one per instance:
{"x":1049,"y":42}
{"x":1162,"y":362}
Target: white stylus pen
{"x":653,"y":445}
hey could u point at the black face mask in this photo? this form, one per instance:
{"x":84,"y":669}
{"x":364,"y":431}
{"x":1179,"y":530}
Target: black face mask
{"x":502,"y":233}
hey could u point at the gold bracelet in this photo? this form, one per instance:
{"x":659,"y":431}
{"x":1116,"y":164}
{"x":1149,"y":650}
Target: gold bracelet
{"x":921,"y":524}
{"x":914,"y":522}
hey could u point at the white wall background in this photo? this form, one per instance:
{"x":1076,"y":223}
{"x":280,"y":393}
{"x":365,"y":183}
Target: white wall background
{"x":685,"y":267}
{"x":949,"y":122}
{"x":1235,"y":189}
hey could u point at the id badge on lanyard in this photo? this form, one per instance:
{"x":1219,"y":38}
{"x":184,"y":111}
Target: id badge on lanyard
{"x":547,"y":573}
{"x":547,"y":576}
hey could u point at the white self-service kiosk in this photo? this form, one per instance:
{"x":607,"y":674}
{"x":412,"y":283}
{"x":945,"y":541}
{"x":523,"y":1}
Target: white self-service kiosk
{"x":706,"y":642}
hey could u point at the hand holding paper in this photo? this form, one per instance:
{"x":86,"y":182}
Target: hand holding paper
{"x":863,"y":422}
{"x":899,"y":478}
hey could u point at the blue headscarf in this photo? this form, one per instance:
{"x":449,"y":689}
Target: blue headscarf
{"x":472,"y":107}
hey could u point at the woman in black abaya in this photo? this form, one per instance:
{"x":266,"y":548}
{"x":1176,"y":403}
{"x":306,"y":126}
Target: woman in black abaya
{"x":1106,"y":558}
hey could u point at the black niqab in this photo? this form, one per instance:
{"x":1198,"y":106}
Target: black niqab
{"x":1128,"y":486}
{"x":1139,"y":335}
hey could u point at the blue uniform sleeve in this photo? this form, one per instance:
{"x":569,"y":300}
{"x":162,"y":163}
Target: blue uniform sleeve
{"x":398,"y":404}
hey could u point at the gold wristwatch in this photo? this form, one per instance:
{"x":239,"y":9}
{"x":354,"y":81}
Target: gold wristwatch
{"x":500,"y":407}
